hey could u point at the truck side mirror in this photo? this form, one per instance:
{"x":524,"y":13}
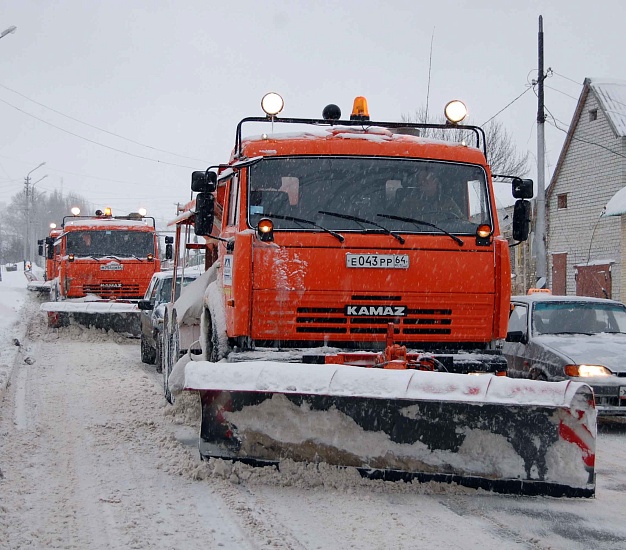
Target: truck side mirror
{"x":204,"y":214}
{"x":203,"y":182}
{"x":169,"y":254}
{"x":49,"y":248}
{"x":522,"y":189}
{"x":40,"y":247}
{"x":521,"y":220}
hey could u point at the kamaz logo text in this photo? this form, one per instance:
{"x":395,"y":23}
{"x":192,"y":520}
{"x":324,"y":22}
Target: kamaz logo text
{"x":375,"y":311}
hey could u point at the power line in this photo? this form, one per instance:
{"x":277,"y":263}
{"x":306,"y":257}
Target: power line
{"x":579,"y":84}
{"x":559,"y":91}
{"x":506,"y":106}
{"x":95,"y":142}
{"x":565,"y":77}
{"x":581,"y":139}
{"x":97,"y":128}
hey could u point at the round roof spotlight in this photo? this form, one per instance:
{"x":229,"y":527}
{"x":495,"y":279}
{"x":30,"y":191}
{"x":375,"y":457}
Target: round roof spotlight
{"x":53,"y":225}
{"x":272,"y":104}
{"x":142,"y":212}
{"x":75,"y":211}
{"x":331,"y":112}
{"x":455,"y":111}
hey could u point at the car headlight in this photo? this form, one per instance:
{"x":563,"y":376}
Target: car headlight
{"x":587,"y":370}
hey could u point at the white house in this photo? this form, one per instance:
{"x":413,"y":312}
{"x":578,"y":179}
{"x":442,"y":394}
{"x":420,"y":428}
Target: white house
{"x":585,"y":246}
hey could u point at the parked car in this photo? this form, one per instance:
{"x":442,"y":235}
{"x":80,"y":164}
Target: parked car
{"x":152,"y":309}
{"x":11,"y":267}
{"x":571,"y":337}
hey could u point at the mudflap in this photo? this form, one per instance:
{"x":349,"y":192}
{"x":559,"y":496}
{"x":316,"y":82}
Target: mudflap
{"x":499,"y":441}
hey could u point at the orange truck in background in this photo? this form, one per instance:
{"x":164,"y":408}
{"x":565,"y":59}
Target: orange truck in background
{"x":357,"y":306}
{"x":101,"y":265}
{"x":45,"y":249}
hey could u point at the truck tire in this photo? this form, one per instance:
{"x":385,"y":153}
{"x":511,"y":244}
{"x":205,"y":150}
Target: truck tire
{"x":158,"y":360}
{"x":148,"y":353}
{"x":171,"y":355}
{"x":212,"y":344}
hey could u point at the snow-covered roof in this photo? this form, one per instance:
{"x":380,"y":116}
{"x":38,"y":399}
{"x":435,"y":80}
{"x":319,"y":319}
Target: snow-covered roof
{"x":617,"y":204}
{"x":611,"y":95}
{"x":107,"y":223}
{"x":545,"y":297}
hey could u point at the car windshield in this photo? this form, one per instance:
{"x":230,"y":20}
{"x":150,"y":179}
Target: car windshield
{"x":119,"y":243}
{"x":578,"y":318}
{"x":166,"y":288}
{"x":328,"y":191}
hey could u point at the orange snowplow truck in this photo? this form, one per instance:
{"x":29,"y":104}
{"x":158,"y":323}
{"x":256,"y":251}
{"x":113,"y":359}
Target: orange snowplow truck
{"x":361,"y":281}
{"x":330,"y":236}
{"x":102,"y":265}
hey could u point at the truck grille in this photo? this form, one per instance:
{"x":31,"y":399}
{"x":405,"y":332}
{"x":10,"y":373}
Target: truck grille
{"x":425,"y":317}
{"x":113,"y":289}
{"x":332,"y":320}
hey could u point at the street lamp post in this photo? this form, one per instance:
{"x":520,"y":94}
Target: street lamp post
{"x":10,"y":30}
{"x":27,"y":193}
{"x":31,"y":244}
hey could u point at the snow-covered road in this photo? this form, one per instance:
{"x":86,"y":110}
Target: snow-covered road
{"x":91,"y":456}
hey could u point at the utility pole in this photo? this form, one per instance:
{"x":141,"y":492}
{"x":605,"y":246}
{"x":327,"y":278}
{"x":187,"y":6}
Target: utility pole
{"x":539,"y":242}
{"x":27,"y":194}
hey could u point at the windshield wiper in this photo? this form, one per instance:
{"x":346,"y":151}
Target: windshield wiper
{"x":360,"y":221}
{"x":302,"y":220}
{"x":421,"y":222}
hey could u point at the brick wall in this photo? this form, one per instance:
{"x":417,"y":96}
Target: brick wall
{"x":590,"y":175}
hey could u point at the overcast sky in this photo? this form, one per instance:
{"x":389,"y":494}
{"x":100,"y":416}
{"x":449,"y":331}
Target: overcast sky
{"x":124,"y":98}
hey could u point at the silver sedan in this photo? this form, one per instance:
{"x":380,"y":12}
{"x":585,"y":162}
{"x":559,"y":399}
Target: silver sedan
{"x":571,"y":337}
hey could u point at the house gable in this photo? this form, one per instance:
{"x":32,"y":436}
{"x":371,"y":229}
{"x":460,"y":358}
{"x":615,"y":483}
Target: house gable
{"x":590,"y":170}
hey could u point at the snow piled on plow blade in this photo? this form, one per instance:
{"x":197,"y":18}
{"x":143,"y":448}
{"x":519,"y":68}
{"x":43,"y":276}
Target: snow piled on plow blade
{"x":503,"y":434}
{"x":90,"y":307}
{"x":120,"y":317}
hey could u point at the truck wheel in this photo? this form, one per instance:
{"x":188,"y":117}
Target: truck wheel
{"x":212,"y":339}
{"x":171,"y":355}
{"x":148,"y":353}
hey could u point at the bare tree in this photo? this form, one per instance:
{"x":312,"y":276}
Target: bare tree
{"x":502,"y":154}
{"x":43,"y":208}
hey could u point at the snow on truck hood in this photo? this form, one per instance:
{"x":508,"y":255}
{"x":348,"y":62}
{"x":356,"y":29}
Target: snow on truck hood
{"x":605,"y":349}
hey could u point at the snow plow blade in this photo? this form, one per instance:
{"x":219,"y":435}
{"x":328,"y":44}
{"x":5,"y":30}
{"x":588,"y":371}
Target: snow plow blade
{"x":122,"y":317}
{"x":496,"y":433}
{"x":42,"y":287}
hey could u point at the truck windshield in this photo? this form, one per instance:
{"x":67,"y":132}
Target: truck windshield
{"x":452,"y":196}
{"x":119,"y":243}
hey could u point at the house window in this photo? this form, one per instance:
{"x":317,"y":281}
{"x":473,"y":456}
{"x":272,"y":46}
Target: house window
{"x":561,"y":200}
{"x":593,"y":115}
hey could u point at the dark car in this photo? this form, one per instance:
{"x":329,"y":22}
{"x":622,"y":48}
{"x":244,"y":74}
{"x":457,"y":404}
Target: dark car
{"x":152,"y":309}
{"x":571,"y":337}
{"x":11,"y":267}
